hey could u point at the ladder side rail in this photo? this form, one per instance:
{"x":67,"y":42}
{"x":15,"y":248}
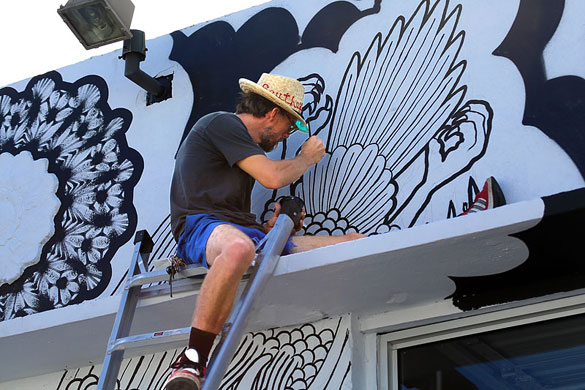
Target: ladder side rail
{"x":125,"y":315}
{"x":142,"y":265}
{"x":237,"y":323}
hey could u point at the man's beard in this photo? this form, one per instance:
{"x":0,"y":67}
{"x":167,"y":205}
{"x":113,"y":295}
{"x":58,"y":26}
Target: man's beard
{"x":267,"y":143}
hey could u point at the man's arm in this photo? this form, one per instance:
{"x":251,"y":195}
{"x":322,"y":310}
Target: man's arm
{"x":274,"y":174}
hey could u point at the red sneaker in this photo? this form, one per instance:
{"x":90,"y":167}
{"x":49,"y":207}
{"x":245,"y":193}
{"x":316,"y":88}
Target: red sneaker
{"x":186,"y":373}
{"x":491,"y":196}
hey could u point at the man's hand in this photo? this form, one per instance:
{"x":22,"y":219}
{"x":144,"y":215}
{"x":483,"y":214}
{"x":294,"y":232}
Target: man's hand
{"x":313,"y":149}
{"x":268,"y":225}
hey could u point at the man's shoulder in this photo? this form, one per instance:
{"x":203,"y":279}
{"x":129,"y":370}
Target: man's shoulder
{"x":219,"y":119}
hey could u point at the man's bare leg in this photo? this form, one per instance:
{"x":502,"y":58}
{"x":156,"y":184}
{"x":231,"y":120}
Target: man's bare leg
{"x":229,"y":254}
{"x":305,"y":243}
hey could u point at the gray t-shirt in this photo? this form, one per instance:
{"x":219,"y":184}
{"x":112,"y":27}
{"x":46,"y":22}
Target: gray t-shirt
{"x":207,"y":180}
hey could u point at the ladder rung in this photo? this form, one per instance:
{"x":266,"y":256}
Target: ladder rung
{"x":162,"y":275}
{"x":147,"y":339}
{"x":189,"y":284}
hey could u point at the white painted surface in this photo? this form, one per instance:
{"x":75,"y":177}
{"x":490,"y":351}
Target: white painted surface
{"x":27,"y":207}
{"x":567,"y":44}
{"x":361,"y":277}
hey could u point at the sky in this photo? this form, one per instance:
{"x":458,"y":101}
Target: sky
{"x":34,"y":39}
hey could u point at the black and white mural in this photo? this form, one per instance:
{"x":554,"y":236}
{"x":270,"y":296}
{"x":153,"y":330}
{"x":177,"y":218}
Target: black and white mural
{"x":417,"y":102}
{"x":408,"y":99}
{"x":65,"y":192}
{"x":408,"y":123}
{"x":399,"y":120}
{"x":310,"y":357}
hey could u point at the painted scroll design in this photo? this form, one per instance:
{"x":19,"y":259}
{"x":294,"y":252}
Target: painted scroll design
{"x":140,"y":373}
{"x":398,"y":130}
{"x":311,"y":356}
{"x":216,"y":56}
{"x":307,"y":357}
{"x":82,"y":140}
{"x":555,"y":106}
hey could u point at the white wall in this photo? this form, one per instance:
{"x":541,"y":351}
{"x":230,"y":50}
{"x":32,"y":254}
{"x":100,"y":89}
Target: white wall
{"x":414,"y":107}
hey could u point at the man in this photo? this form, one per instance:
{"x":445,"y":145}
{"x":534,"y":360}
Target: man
{"x":215,"y":170}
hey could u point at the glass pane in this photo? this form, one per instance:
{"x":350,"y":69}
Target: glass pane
{"x":545,"y":355}
{"x":94,"y":24}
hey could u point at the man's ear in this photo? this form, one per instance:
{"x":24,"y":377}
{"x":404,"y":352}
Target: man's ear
{"x":272,"y":114}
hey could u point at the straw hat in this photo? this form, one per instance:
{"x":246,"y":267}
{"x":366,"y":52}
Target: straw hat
{"x":285,"y":92}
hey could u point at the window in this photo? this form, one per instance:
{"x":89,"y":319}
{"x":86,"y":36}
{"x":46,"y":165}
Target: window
{"x":526,"y":348}
{"x":547,"y":355}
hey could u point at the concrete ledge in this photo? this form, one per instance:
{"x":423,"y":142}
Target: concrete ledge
{"x":398,"y":270}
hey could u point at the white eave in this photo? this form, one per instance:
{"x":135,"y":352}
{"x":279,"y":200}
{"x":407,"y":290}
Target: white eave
{"x":395,"y":271}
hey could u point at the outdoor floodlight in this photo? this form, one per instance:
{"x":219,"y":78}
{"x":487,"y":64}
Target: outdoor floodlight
{"x":98,"y":22}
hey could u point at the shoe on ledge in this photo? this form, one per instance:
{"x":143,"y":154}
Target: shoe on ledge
{"x":491,"y":196}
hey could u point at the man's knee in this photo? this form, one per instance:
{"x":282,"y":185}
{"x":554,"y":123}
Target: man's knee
{"x":237,"y":254}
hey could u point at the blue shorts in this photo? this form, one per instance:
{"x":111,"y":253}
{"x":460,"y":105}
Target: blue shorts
{"x":191,"y":245}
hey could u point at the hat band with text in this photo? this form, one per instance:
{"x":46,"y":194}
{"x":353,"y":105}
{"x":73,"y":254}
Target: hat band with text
{"x":285,"y":97}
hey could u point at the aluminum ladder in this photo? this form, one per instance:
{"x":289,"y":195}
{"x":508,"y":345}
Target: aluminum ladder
{"x":234,"y":329}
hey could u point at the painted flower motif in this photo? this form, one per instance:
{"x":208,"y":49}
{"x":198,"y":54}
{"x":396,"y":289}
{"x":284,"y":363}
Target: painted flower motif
{"x":44,"y":279}
{"x":92,"y":246}
{"x":43,"y":89}
{"x":91,"y":276}
{"x":59,"y":282}
{"x":21,"y":303}
{"x":56,"y":108}
{"x":64,"y":284}
{"x":28,"y":206}
{"x":19,"y":113}
{"x":5,"y":117}
{"x":114,"y":224}
{"x":103,"y":156}
{"x":13,"y":120}
{"x":70,"y":128}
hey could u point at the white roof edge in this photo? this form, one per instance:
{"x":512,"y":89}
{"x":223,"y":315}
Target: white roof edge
{"x":367,"y":276}
{"x":509,"y":216}
{"x":517,"y":213}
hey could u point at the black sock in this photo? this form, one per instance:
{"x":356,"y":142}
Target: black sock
{"x":202,"y":342}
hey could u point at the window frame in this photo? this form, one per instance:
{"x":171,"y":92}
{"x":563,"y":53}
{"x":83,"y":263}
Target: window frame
{"x":390,"y":343}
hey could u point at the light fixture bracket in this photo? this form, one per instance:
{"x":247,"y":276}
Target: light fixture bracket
{"x":133,"y":53}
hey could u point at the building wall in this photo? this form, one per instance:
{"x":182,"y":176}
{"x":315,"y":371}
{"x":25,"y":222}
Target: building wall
{"x":310,"y":356}
{"x":417,"y":103}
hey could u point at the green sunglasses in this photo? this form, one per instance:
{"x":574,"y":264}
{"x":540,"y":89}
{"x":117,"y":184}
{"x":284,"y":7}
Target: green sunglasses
{"x":301,"y":126}
{"x":298,"y":125}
